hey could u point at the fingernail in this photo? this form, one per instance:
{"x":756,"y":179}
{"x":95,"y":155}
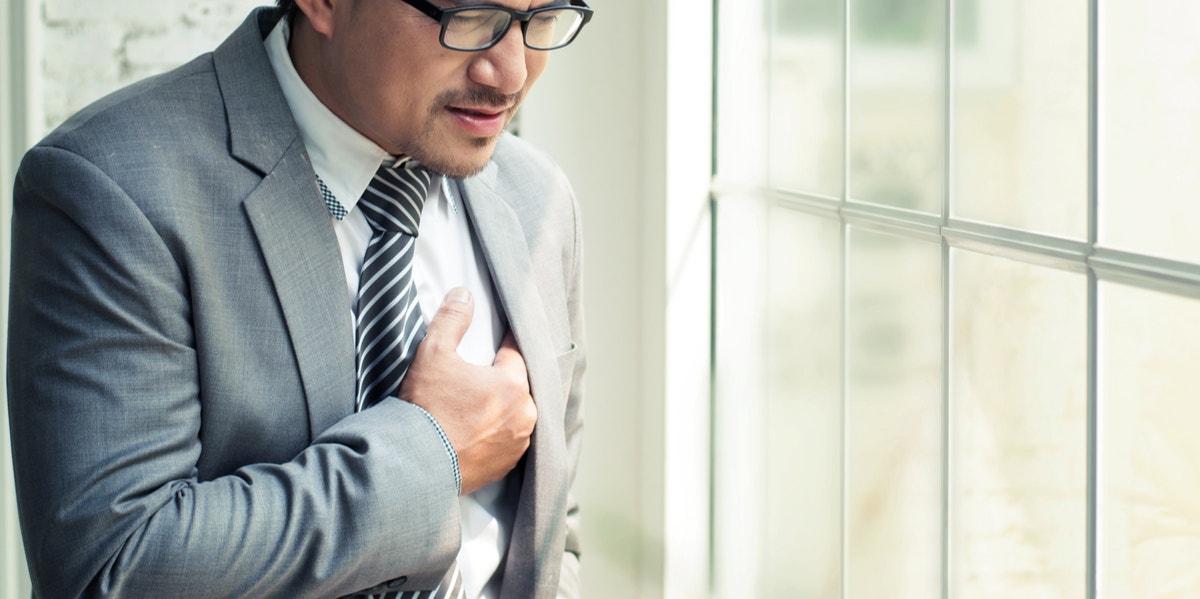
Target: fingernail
{"x":459,"y":295}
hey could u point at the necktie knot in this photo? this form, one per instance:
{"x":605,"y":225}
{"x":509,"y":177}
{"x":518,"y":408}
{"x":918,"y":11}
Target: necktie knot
{"x":394,"y":197}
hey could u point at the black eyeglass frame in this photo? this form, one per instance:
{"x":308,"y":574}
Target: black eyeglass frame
{"x":443,"y":15}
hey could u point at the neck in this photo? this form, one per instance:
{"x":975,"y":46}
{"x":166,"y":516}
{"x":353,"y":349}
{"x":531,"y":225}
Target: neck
{"x":304,"y":49}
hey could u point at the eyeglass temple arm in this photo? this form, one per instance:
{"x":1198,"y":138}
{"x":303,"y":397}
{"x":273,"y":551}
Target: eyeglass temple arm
{"x":587,"y":10}
{"x":427,"y":7}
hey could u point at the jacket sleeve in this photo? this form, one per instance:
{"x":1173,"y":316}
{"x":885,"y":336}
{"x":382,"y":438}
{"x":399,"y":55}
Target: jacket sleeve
{"x":105,"y":405}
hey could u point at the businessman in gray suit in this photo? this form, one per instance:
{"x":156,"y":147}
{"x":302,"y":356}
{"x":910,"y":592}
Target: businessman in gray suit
{"x":188,"y":375}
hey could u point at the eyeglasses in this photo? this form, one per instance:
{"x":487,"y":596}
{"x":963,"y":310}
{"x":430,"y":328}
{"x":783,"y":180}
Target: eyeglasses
{"x":472,"y":28}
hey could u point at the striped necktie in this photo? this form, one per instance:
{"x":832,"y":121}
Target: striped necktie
{"x":451,"y":587}
{"x":389,"y":320}
{"x":389,"y":323}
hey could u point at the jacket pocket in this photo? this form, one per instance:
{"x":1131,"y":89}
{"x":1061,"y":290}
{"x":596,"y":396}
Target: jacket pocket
{"x":566,"y":369}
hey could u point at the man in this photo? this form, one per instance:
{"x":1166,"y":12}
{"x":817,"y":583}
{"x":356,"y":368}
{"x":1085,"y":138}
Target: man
{"x":195,"y":354}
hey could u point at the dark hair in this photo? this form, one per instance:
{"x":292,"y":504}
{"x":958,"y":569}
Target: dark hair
{"x":288,"y":6}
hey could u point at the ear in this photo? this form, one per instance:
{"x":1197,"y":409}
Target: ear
{"x":319,"y":14}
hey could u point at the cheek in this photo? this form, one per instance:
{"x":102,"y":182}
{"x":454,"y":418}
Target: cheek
{"x":397,"y":89}
{"x":535,"y":63}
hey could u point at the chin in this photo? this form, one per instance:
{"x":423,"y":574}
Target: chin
{"x":462,"y":164}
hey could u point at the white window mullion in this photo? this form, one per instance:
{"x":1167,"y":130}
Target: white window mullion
{"x":1093,"y":231}
{"x":19,"y":116}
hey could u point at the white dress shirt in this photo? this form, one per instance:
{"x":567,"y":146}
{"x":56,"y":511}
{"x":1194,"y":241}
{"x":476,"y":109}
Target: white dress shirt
{"x":447,"y":256}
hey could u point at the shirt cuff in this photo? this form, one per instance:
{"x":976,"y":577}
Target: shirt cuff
{"x":449,"y":448}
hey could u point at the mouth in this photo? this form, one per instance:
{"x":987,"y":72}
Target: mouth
{"x":480,"y":121}
{"x":478,"y":112}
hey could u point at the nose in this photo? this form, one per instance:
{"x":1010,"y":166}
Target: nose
{"x":502,"y":66}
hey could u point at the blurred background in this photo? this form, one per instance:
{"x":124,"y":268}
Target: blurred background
{"x":886,"y":298}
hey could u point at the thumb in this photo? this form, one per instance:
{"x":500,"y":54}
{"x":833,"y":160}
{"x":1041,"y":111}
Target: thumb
{"x":452,"y":319}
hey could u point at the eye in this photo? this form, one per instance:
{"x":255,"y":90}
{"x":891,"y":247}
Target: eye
{"x":470,"y":20}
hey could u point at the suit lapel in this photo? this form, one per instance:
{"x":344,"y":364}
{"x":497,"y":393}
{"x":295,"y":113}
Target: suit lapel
{"x":290,"y":221}
{"x":504,"y":245}
{"x":501,"y":235}
{"x":298,"y":244}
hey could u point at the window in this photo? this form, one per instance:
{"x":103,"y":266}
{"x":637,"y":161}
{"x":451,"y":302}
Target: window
{"x":956,"y":299}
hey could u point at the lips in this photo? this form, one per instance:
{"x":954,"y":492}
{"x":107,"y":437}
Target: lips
{"x":483,"y":112}
{"x":480,"y":121}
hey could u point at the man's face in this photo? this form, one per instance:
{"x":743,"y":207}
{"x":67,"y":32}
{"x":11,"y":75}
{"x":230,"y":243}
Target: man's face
{"x":383,"y":71}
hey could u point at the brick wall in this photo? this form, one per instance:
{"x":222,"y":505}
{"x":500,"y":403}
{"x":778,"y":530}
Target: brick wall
{"x":92,"y":47}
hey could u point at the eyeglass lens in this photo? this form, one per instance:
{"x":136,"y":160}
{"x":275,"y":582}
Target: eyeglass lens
{"x":479,"y":28}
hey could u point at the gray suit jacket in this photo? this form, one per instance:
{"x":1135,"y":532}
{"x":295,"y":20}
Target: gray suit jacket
{"x":181,"y":368}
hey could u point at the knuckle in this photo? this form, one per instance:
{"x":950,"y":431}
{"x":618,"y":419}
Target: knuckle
{"x":515,"y":387}
{"x":431,"y":344}
{"x":455,"y":311}
{"x":528,"y":421}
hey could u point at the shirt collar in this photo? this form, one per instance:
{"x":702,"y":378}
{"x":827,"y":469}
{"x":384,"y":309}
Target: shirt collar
{"x":343,"y":158}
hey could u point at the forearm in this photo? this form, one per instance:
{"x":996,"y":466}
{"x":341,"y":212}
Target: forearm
{"x":338,"y":518}
{"x":111,"y":504}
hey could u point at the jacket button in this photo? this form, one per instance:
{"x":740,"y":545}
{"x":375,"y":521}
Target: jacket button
{"x":397,"y":582}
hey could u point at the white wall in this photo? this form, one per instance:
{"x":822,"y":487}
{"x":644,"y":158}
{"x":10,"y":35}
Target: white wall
{"x":627,"y":112}
{"x":641,"y":172}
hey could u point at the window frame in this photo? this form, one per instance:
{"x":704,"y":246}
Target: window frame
{"x":740,"y":189}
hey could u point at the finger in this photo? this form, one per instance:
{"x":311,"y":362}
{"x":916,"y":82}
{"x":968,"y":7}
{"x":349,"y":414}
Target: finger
{"x":509,"y":341}
{"x":509,"y":354}
{"x":452,"y":319}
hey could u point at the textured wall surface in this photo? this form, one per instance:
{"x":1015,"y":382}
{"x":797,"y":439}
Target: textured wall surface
{"x":91,"y":48}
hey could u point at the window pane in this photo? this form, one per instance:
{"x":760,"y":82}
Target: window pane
{"x":894,"y":417}
{"x":1021,"y":137}
{"x":1018,"y":490}
{"x":803,"y":417}
{"x":806,"y":96}
{"x":895,"y":124}
{"x":1149,"y":464}
{"x":1150,"y":91}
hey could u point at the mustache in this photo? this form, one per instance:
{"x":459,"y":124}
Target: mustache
{"x":478,"y":96}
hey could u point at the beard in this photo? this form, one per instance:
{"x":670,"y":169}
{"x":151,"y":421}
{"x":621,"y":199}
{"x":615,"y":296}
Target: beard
{"x":432,"y":153}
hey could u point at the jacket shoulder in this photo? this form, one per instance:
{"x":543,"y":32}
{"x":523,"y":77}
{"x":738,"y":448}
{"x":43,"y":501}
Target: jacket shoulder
{"x":526,"y":171}
{"x":155,"y":107}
